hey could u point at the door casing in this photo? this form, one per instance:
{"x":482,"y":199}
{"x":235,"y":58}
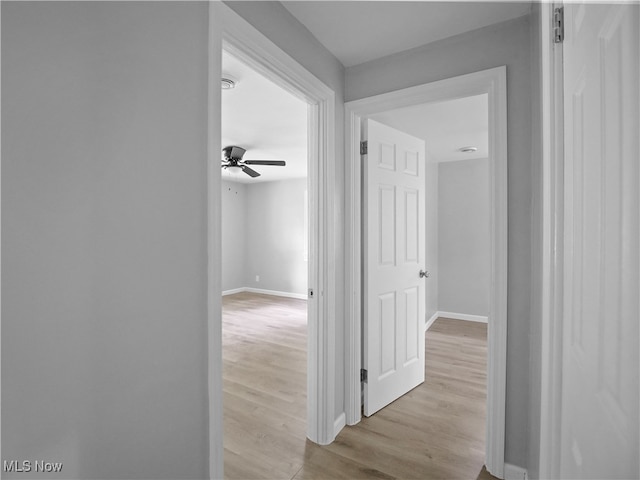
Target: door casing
{"x":493,"y":83}
{"x":552,"y":242}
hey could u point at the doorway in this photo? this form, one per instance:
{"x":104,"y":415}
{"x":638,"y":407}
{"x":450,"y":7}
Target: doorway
{"x":449,"y":244}
{"x":247,"y":44}
{"x":492,"y":83}
{"x":264,"y":273}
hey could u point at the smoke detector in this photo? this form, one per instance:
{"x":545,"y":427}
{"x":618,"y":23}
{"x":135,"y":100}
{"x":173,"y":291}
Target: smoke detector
{"x":227,"y":82}
{"x":469,"y":149}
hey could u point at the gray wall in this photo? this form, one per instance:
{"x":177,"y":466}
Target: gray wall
{"x":431,"y":232}
{"x":507,"y":44}
{"x":234,"y":235}
{"x":104,"y":233}
{"x":463,"y":236}
{"x":283,"y":29}
{"x":263,"y":233}
{"x":275,"y":236}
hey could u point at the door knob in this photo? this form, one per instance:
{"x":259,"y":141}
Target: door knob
{"x":424,"y":274}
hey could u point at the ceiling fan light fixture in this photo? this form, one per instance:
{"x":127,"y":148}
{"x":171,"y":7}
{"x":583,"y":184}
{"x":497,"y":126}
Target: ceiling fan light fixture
{"x":233,"y":169}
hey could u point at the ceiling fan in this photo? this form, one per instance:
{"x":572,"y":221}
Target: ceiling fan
{"x":233,"y":162}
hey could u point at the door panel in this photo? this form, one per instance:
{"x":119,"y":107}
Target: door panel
{"x":411,"y":223}
{"x":394,"y":255}
{"x":412,"y":301}
{"x":386,"y":225}
{"x":599,"y":431}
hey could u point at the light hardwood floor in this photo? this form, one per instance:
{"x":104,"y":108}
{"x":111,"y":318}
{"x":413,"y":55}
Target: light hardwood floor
{"x":436,"y":431}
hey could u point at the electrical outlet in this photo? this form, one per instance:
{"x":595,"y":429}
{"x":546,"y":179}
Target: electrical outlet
{"x":257,"y":278}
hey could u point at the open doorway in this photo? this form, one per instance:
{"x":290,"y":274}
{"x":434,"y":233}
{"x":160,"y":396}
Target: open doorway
{"x":265,"y":254}
{"x":492,"y":83}
{"x":457,"y":202}
{"x":426,"y":240}
{"x":244,"y":42}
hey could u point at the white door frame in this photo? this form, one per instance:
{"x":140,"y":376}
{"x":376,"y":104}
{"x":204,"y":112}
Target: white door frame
{"x":552,"y":238}
{"x":492,"y":82}
{"x":229,"y":31}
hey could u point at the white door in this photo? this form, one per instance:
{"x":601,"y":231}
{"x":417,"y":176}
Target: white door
{"x":394,"y":249}
{"x":599,"y":429}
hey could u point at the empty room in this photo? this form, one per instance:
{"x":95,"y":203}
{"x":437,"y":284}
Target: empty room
{"x":264,"y":272}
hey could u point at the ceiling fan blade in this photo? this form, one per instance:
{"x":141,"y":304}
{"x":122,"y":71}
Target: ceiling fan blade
{"x":233,"y":152}
{"x":277,"y":163}
{"x":250,"y":171}
{"x":237,"y":152}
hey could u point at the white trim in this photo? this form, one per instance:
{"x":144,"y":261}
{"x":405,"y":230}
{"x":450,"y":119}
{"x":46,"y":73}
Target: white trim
{"x":275,"y":293}
{"x":497,"y":327}
{"x":339,"y":424}
{"x":233,"y":291}
{"x":214,"y":247}
{"x":552,"y":256}
{"x":1,"y":457}
{"x":246,"y":43}
{"x":299,"y":296}
{"x":431,"y":321}
{"x":353,"y":260}
{"x":464,"y":316}
{"x":513,"y":472}
{"x":494,"y":83}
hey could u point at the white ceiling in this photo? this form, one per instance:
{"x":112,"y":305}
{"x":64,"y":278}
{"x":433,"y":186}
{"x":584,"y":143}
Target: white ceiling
{"x":359,"y":31}
{"x":266,"y":120}
{"x":271,"y":124}
{"x":445,"y":126}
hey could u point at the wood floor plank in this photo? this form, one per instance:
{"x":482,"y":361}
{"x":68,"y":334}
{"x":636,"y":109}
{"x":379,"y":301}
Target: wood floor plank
{"x":323,"y":463}
{"x":436,"y":431}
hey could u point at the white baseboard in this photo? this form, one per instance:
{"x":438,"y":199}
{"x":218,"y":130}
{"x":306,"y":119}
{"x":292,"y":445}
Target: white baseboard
{"x":300,"y":296}
{"x":513,"y":472}
{"x":464,"y":316}
{"x":429,"y":322}
{"x":339,"y":424}
{"x":234,"y":290}
{"x":275,"y":293}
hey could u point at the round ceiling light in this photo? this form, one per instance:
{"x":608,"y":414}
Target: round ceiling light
{"x":233,"y":169}
{"x":468,"y":149}
{"x":227,"y":83}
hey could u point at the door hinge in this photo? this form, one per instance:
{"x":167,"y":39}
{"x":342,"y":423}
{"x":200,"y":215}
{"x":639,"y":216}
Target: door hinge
{"x":364,"y":147}
{"x":558,"y":24}
{"x":363,"y":375}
